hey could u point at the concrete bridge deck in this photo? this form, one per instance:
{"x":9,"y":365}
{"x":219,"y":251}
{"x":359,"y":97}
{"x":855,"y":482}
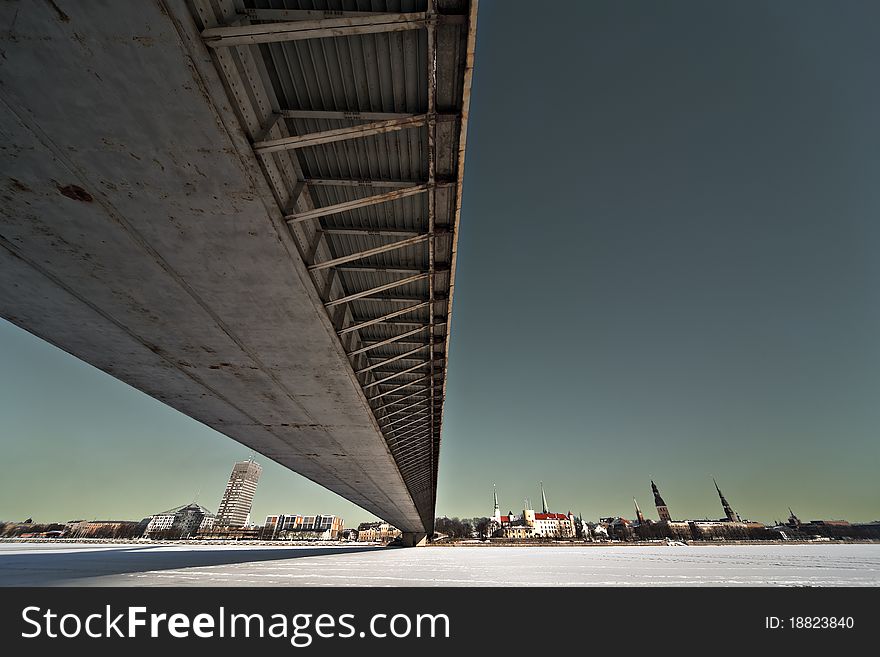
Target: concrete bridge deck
{"x":249,"y":214}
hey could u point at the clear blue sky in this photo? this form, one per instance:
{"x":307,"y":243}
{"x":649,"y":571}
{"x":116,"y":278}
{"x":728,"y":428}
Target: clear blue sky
{"x":668,"y":268}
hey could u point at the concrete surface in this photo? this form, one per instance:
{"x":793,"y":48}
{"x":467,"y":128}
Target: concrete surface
{"x":137,"y":233}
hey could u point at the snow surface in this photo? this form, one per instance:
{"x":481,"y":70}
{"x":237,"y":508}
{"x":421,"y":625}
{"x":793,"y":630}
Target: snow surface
{"x":45,"y":564}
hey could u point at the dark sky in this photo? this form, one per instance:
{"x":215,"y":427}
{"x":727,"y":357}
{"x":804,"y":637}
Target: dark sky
{"x":668,"y":259}
{"x":667,"y":269}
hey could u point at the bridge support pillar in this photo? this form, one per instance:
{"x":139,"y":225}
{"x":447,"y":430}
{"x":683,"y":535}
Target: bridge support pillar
{"x":414,"y":539}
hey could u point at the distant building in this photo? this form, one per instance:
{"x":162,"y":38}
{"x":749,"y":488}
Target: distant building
{"x":532,"y":525}
{"x":616,"y":528}
{"x":729,"y":513}
{"x":180,"y":522}
{"x":598,"y":531}
{"x":332,"y":524}
{"x":720,"y":530}
{"x":276,"y":524}
{"x":231,"y":533}
{"x":292,"y":526}
{"x":373,"y":532}
{"x":235,"y":507}
{"x":640,"y":517}
{"x":662,"y":509}
{"x":831,"y":529}
{"x":731,"y":527}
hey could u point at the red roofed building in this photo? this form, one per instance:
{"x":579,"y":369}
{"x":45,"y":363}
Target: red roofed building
{"x":534,"y":525}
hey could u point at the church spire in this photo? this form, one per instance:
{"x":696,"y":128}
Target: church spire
{"x":662,"y":509}
{"x":639,"y":515}
{"x":728,"y":511}
{"x":495,"y":495}
{"x":543,"y":499}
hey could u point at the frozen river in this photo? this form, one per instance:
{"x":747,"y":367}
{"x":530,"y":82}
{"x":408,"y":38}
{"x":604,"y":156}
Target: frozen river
{"x":44,"y":564}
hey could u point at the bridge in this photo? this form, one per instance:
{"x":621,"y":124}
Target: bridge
{"x":249,"y":211}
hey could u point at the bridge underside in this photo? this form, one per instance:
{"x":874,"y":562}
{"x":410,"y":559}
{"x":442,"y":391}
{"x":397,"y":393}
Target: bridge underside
{"x":249,"y":212}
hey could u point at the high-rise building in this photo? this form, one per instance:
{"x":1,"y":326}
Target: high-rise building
{"x":662,"y":509}
{"x":728,"y":511}
{"x":235,"y":507}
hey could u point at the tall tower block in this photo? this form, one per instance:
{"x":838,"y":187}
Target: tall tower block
{"x":235,"y":507}
{"x":662,"y":509}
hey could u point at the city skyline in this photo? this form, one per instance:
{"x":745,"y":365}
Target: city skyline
{"x":307,"y":490}
{"x":697,"y":298}
{"x":317,"y":495}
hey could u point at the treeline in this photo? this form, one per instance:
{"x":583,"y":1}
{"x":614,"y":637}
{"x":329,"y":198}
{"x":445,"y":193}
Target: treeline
{"x":462,"y":527}
{"x":16,"y":529}
{"x":130,"y":529}
{"x":111,"y":530}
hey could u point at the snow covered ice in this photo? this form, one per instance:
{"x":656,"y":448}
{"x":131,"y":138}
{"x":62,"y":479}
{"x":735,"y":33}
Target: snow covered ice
{"x":141,"y":564}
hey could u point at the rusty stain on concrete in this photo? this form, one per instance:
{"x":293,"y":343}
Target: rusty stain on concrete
{"x":76,"y":192}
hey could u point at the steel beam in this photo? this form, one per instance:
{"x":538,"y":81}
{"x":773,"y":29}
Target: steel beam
{"x":417,"y":414}
{"x":411,"y":434}
{"x":400,"y":387}
{"x":412,"y":441}
{"x":383,"y":372}
{"x":339,"y":134}
{"x":304,"y":14}
{"x":401,"y":400}
{"x":365,"y":254}
{"x":409,"y":453}
{"x":410,"y":324}
{"x":405,"y":408}
{"x":222,"y":37}
{"x":422,"y":388}
{"x":353,"y":115}
{"x":413,"y":449}
{"x":413,"y":461}
{"x":395,"y":375}
{"x":432,"y":166}
{"x":418,"y":483}
{"x":407,"y":430}
{"x":339,"y":182}
{"x":387,"y":341}
{"x":402,"y":343}
{"x":379,"y":320}
{"x":420,"y":420}
{"x":376,"y":290}
{"x":381,"y":270}
{"x":392,"y":359}
{"x":347,"y":206}
{"x":415,"y":445}
{"x":384,"y":298}
{"x":371,"y":231}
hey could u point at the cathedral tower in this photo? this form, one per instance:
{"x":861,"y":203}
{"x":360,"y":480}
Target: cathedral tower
{"x":662,"y":509}
{"x":729,"y":512}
